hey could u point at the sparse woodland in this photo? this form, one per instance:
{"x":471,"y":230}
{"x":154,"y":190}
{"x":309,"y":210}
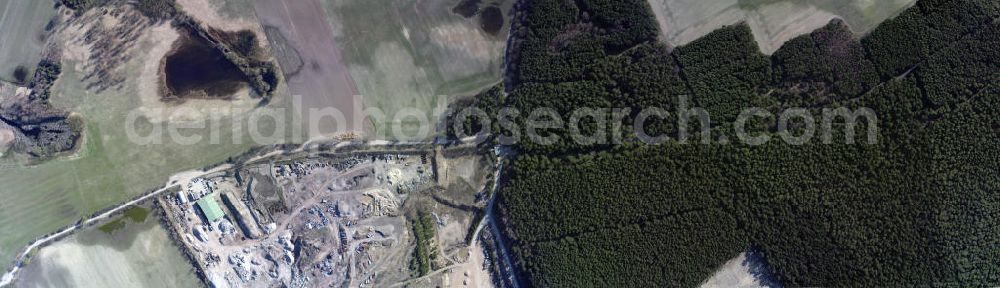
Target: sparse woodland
{"x":41,"y":130}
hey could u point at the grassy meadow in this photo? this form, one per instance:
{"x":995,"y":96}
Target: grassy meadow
{"x":404,"y":54}
{"x":23,"y":30}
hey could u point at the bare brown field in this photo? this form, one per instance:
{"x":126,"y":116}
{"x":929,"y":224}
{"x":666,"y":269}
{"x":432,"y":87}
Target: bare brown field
{"x":325,"y":81}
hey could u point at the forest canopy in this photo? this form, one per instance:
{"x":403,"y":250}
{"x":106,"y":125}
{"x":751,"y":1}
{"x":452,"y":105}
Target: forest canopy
{"x":919,"y":207}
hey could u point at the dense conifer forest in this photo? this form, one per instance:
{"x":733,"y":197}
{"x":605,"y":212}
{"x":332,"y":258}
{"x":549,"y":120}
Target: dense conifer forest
{"x":921,"y":206}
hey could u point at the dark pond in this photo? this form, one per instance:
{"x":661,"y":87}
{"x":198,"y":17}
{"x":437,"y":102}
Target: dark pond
{"x":466,"y":8}
{"x":196,"y":69}
{"x":491,"y":20}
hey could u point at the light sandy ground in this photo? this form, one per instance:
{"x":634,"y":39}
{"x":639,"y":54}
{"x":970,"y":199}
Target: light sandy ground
{"x":460,"y":169}
{"x":735,"y":273}
{"x":471,"y":274}
{"x":466,"y":169}
{"x":683,"y":21}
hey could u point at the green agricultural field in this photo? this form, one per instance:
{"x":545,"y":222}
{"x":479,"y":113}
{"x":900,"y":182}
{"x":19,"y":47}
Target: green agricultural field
{"x":234,"y":8}
{"x":403,"y":54}
{"x":139,"y":253}
{"x":23,"y":28}
{"x":131,"y":215}
{"x":108,"y":169}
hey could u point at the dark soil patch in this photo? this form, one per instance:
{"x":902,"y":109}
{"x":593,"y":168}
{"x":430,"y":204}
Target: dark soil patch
{"x":491,"y":20}
{"x":467,"y":8}
{"x":132,"y":215}
{"x":196,"y":69}
{"x":21,"y":74}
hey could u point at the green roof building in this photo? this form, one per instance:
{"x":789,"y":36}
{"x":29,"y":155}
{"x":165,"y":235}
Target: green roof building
{"x":210,"y":208}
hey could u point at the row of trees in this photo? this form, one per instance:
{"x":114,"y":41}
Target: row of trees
{"x":424,"y":253}
{"x":156,"y":9}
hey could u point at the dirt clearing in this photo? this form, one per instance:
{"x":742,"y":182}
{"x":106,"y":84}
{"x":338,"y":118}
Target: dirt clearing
{"x":747,"y":270}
